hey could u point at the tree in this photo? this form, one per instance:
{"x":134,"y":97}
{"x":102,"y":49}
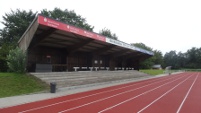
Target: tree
{"x":108,"y":33}
{"x":181,"y":60}
{"x":143,"y":46}
{"x":148,"y":63}
{"x":68,"y":16}
{"x":193,"y":57}
{"x":1,"y":41}
{"x":158,"y":57}
{"x":170,"y":59}
{"x":16,"y":60}
{"x":4,"y":50}
{"x":16,"y":23}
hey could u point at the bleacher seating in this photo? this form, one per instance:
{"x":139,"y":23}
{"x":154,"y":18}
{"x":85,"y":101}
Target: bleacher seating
{"x":68,"y":79}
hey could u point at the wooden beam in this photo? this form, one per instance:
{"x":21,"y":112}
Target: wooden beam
{"x":55,"y":43}
{"x":67,"y":36}
{"x":59,"y":40}
{"x":38,"y":38}
{"x":139,"y":56}
{"x":119,"y":53}
{"x":79,"y":45}
{"x":104,"y":49}
{"x":131,"y":55}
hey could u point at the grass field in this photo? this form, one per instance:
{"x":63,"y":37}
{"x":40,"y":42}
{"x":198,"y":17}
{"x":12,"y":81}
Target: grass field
{"x":152,"y":72}
{"x":196,"y":70}
{"x":16,"y":84}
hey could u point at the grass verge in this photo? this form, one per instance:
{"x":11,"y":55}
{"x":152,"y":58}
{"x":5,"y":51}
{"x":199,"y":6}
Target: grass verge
{"x":152,"y":72}
{"x":195,"y":70}
{"x":12,"y":84}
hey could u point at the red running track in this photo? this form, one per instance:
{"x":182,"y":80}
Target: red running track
{"x":179,"y":93}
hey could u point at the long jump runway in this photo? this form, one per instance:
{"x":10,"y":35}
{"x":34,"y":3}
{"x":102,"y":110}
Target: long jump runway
{"x":179,"y":93}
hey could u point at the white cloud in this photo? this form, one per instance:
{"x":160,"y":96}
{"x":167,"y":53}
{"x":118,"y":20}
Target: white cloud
{"x":163,"y":25}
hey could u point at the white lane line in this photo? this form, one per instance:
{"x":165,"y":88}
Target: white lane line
{"x":37,"y":108}
{"x":135,"y":97}
{"x":186,"y":95}
{"x":117,"y":95}
{"x":160,"y":97}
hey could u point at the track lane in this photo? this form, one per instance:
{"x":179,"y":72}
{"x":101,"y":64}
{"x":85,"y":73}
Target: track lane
{"x":181,"y":105}
{"x":94,"y":99}
{"x":170,"y":102}
{"x":96,"y":104}
{"x":80,"y":95}
{"x":133,"y":105}
{"x":193,"y":100}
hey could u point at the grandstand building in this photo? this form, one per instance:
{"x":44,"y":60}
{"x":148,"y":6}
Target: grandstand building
{"x":52,"y":45}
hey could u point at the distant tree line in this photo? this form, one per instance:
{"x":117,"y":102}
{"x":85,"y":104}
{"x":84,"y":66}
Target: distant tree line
{"x":188,"y":60}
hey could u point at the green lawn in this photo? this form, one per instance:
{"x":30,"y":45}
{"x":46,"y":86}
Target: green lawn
{"x":16,"y":84}
{"x":196,"y":70}
{"x":152,"y":72}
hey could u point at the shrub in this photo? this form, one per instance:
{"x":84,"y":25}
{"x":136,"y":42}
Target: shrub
{"x":4,"y":51}
{"x":16,"y":60}
{"x":3,"y":65}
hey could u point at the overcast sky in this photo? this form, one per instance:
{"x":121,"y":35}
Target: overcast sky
{"x":164,"y":25}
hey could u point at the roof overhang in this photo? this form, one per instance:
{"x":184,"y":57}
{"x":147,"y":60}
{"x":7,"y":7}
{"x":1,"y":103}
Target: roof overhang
{"x":49,"y":32}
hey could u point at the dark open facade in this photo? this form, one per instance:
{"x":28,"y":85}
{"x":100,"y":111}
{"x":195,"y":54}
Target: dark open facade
{"x":55,"y":46}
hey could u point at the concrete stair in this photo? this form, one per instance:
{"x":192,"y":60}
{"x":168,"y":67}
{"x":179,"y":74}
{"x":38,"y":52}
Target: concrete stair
{"x":68,"y":79}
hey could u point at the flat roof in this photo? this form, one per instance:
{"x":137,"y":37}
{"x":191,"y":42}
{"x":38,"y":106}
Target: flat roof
{"x":45,"y":31}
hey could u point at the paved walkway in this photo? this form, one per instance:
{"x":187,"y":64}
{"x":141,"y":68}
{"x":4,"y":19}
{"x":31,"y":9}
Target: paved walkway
{"x":22,"y":99}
